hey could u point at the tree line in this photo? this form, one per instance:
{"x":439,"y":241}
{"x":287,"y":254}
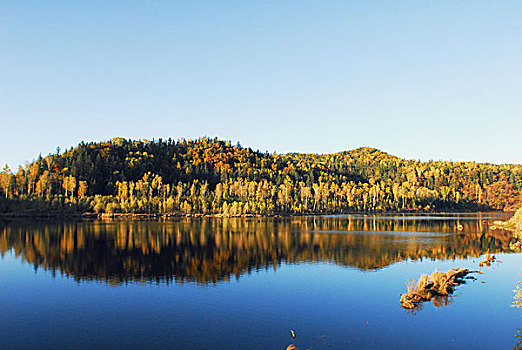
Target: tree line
{"x":211,"y":176}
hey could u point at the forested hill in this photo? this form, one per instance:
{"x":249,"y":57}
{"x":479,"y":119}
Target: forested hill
{"x":210,"y":176}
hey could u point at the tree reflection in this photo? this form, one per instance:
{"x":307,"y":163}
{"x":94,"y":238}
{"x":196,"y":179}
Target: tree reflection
{"x":213,"y":250}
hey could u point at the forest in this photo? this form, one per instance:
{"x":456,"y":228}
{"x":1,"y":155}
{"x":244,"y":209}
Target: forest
{"x":214,"y":177}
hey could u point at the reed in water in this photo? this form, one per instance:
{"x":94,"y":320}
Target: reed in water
{"x":428,"y":287}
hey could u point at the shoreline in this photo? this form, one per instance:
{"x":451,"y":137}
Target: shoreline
{"x":137,"y":216}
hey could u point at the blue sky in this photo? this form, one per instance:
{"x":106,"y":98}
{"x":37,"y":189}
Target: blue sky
{"x":418,"y":79}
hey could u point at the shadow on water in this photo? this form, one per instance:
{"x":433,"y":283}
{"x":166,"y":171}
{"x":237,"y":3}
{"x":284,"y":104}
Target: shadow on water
{"x":214,"y":250}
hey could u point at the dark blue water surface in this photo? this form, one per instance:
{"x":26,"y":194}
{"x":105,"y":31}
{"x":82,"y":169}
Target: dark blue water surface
{"x":245,"y":283}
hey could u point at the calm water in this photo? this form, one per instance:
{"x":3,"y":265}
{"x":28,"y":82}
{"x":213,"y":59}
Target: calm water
{"x":245,"y":283}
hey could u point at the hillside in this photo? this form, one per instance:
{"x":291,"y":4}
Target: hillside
{"x":210,"y":176}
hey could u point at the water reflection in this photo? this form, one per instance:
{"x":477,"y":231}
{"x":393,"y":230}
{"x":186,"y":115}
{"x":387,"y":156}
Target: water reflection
{"x":213,"y":250}
{"x":437,"y":301}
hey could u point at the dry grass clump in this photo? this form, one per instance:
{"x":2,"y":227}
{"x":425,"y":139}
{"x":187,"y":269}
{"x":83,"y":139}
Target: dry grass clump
{"x":488,"y":259}
{"x":518,"y":336}
{"x":514,"y":224}
{"x":516,"y":246}
{"x":428,"y":287}
{"x":517,"y":302}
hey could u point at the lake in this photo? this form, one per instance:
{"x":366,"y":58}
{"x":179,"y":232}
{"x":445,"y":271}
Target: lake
{"x":245,"y":283}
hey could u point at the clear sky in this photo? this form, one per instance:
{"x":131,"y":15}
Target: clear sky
{"x":418,"y":79}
